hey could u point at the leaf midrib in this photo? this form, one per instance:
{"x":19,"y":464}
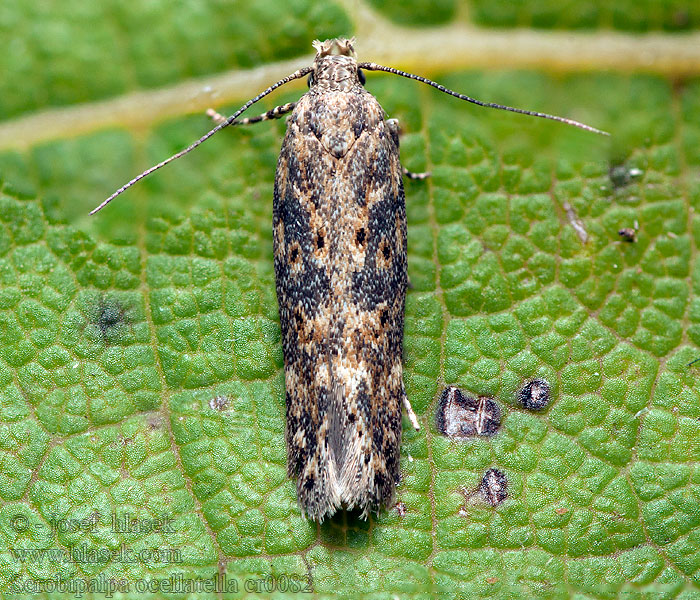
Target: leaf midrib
{"x":425,"y":51}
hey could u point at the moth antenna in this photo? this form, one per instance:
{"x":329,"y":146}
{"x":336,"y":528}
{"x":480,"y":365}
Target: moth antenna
{"x":369,"y":66}
{"x":206,"y":136}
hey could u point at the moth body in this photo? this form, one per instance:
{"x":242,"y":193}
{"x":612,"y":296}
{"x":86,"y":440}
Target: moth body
{"x":339,"y":223}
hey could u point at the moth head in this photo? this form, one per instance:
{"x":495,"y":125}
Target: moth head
{"x":335,"y":67}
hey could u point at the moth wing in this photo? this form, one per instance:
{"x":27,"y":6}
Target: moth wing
{"x":340,"y":261}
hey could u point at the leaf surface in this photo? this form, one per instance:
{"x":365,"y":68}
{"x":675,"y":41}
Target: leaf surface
{"x":141,"y":385}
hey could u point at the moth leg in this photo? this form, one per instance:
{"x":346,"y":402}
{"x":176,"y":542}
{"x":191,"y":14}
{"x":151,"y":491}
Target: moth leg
{"x":395,"y":131}
{"x":409,"y":412}
{"x":274,"y":113}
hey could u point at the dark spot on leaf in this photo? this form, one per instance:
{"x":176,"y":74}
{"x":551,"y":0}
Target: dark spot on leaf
{"x":109,"y":317}
{"x":460,"y":416}
{"x":494,"y":486}
{"x":621,"y":175}
{"x":535,"y":395}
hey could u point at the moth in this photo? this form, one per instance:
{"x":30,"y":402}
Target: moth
{"x":339,"y":233}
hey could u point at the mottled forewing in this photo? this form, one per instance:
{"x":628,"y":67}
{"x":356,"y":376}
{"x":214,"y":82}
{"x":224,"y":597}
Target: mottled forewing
{"x":340,"y":261}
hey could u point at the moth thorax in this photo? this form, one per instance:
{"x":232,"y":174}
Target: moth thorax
{"x":335,"y":74}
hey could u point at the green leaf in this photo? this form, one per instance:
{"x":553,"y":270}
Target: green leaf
{"x":141,"y":385}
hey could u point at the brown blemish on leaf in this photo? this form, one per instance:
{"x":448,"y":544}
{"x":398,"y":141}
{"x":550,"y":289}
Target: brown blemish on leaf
{"x":460,"y":416}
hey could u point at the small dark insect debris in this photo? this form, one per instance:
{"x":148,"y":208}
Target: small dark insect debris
{"x":628,"y":234}
{"x":219,"y":403}
{"x":494,"y":486}
{"x":535,"y":395}
{"x":460,"y":416}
